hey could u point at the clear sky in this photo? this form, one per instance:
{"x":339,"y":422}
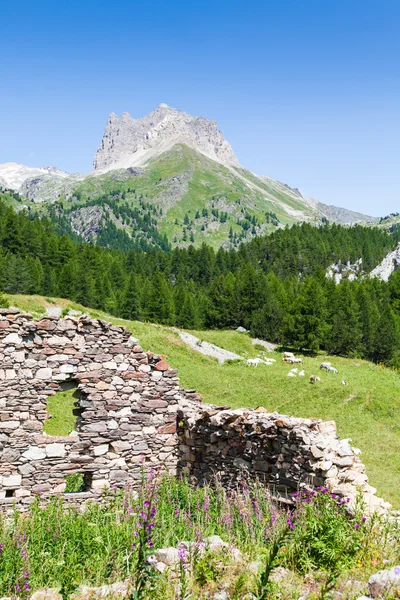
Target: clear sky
{"x":306,"y":91}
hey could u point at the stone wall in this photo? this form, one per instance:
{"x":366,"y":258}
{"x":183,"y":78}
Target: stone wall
{"x":129,"y":405}
{"x":286,"y":453}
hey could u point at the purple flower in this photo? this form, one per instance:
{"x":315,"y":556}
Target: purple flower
{"x":183,"y":554}
{"x":364,"y":519}
{"x":356,"y":526}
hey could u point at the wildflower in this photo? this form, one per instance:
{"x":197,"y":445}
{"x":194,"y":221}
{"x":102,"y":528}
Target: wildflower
{"x":183,"y":555}
{"x":364,"y":519}
{"x":356,"y":526}
{"x":290,"y":523}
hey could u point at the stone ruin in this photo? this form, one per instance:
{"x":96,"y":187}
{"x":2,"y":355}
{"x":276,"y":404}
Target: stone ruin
{"x":131,"y":412}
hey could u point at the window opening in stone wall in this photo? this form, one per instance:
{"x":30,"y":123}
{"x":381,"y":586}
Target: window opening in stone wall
{"x":63,"y":410}
{"x":10,"y":493}
{"x":78,"y":482}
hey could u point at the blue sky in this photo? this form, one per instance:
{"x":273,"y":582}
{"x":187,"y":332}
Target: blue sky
{"x":306,"y":91}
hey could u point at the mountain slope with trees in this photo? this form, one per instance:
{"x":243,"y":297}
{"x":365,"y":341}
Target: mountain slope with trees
{"x":275,"y":286}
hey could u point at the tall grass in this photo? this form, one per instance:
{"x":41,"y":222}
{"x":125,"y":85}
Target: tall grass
{"x":57,"y":546}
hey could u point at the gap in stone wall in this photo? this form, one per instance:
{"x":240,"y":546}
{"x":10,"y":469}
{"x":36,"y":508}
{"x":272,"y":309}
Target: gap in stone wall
{"x":64,"y":410}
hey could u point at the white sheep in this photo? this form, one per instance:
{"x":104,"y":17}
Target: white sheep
{"x":254,"y":362}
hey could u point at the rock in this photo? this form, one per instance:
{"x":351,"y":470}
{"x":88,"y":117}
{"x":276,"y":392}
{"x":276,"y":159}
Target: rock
{"x":13,"y":481}
{"x":222,"y":595}
{"x":215,"y":543}
{"x":12,"y":338}
{"x":55,"y":450}
{"x":385,"y":582}
{"x":34,"y":453}
{"x":44,"y":373}
{"x":49,"y":594}
{"x":241,"y":329}
{"x":127,"y":141}
{"x":100,"y":450}
{"x":162,"y":366}
{"x":168,"y":556}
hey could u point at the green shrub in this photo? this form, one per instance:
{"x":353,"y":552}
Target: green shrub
{"x":74,"y":483}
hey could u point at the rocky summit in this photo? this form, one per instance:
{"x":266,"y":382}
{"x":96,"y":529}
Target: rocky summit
{"x":167,"y":179}
{"x":131,"y":142}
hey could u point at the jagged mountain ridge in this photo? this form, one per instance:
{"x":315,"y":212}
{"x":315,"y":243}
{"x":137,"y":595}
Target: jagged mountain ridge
{"x":131,"y":142}
{"x":180,"y":169}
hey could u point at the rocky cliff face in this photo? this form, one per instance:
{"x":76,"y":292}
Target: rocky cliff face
{"x":390,"y":263}
{"x":131,"y":142}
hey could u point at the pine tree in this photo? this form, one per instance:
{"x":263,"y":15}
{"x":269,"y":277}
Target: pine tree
{"x":130,"y":308}
{"x":346,"y":332}
{"x":387,"y":338}
{"x":369,"y":319}
{"x":307,"y":329}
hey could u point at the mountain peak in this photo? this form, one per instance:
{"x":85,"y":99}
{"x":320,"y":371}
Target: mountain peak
{"x":129,"y":142}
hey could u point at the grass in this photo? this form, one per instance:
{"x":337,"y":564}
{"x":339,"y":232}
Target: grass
{"x":51,"y":546}
{"x":367,"y":410}
{"x":206,"y":182}
{"x":60,"y":407}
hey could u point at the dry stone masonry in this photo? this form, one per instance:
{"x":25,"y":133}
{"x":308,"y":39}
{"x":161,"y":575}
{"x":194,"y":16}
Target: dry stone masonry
{"x":128,"y":403}
{"x":286,"y":453}
{"x":132,"y":412}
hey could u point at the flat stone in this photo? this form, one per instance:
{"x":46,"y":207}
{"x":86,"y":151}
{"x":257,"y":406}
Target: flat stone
{"x":34,"y":453}
{"x":162,"y":366}
{"x":12,"y":338}
{"x":55,"y":450}
{"x":13,"y":481}
{"x":44,"y":373}
{"x":100,"y":450}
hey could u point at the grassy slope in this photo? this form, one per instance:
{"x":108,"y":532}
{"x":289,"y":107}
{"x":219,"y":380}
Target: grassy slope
{"x":367,"y":410}
{"x":205,"y":180}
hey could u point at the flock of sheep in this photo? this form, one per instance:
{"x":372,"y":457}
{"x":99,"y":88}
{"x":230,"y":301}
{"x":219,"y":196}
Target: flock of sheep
{"x":289,"y":357}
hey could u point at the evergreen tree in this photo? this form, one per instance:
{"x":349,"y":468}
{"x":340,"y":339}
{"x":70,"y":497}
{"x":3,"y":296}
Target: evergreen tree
{"x":387,"y":339}
{"x":307,"y":326}
{"x":346,"y":332}
{"x":130,"y":308}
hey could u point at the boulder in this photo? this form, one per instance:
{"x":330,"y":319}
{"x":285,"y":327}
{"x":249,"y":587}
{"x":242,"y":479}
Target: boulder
{"x":385,"y":582}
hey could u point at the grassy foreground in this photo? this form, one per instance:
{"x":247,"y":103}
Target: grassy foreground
{"x":317,"y":544}
{"x":367,"y":410}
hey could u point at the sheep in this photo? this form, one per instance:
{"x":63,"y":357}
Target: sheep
{"x":325,"y":365}
{"x":270,"y":360}
{"x":288,"y":355}
{"x":314,"y":379}
{"x":254,"y":362}
{"x":332,"y":370}
{"x":295,"y":360}
{"x":301,"y":374}
{"x":344,"y":382}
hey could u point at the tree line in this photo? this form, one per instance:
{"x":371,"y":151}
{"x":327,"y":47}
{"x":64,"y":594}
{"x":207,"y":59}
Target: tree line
{"x":274,"y":286}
